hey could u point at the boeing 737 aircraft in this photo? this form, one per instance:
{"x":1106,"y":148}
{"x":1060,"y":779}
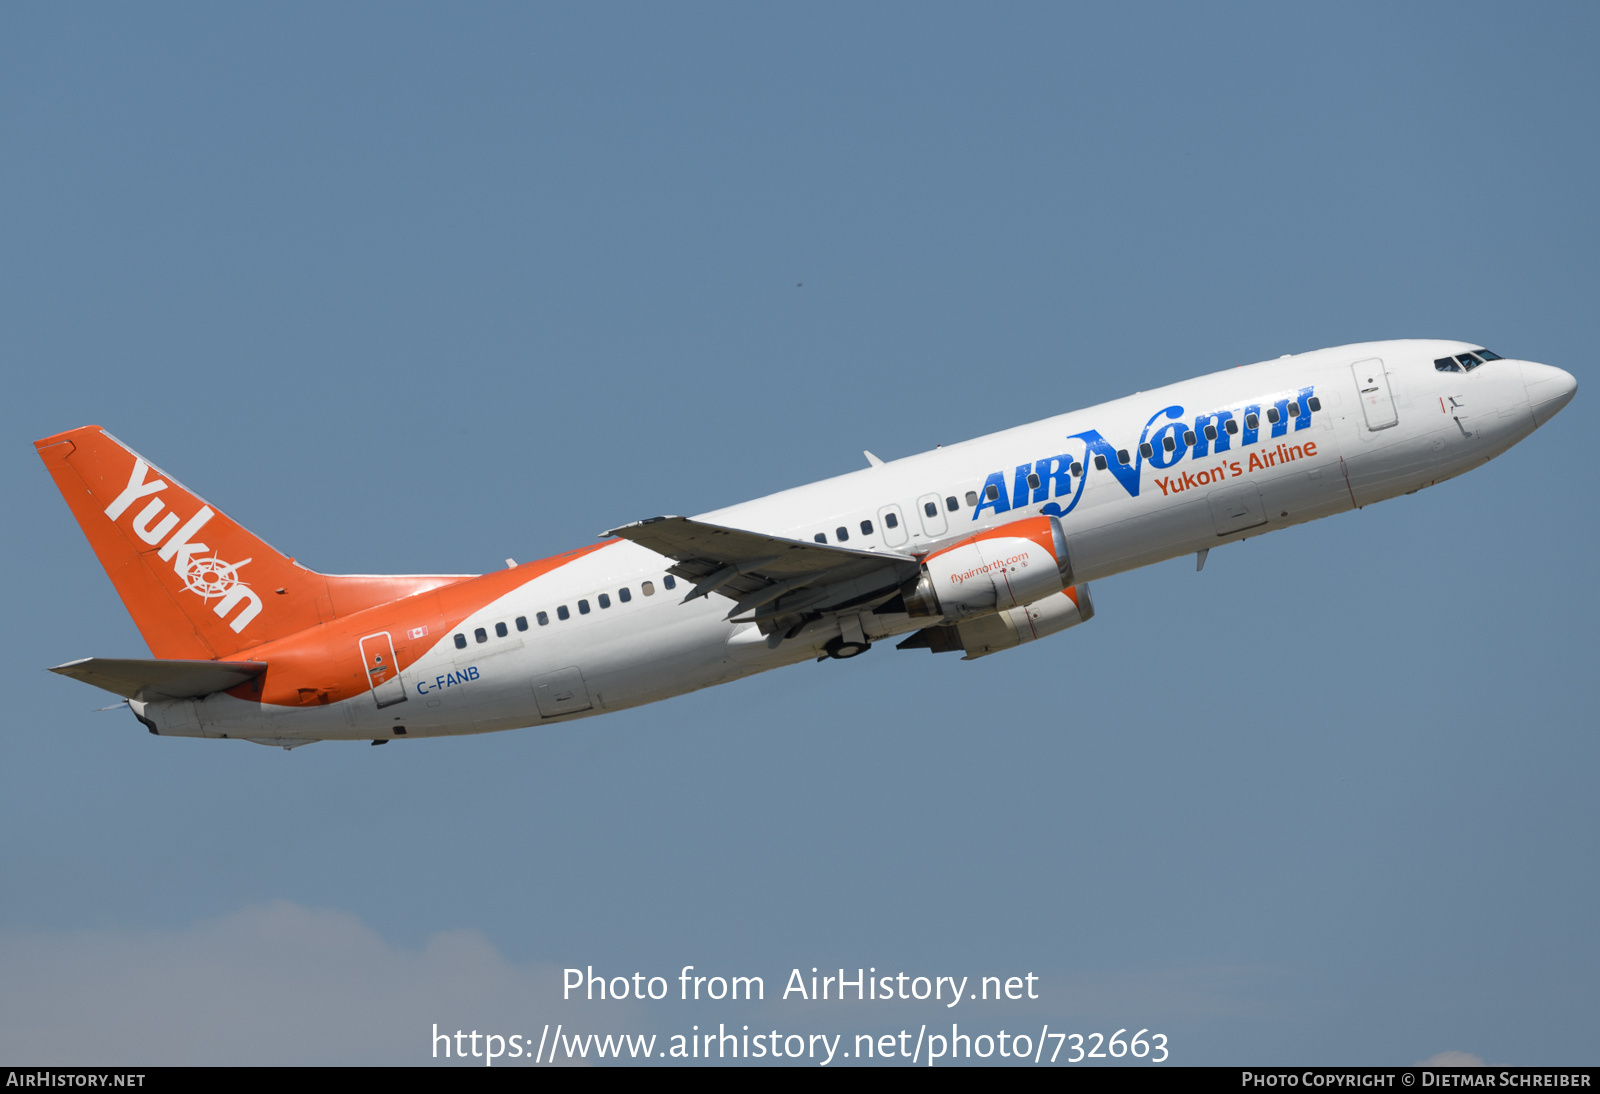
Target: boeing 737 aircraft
{"x":972,"y":548}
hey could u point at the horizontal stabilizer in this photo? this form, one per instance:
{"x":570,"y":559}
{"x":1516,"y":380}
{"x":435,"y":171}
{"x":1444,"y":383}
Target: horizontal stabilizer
{"x":145,"y":679}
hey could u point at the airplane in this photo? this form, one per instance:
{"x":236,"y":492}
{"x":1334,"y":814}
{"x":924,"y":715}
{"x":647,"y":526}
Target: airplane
{"x":972,"y":548}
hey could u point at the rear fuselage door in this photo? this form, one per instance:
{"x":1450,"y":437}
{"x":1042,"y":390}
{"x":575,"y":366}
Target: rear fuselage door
{"x":1377,"y":401}
{"x":383,"y":672}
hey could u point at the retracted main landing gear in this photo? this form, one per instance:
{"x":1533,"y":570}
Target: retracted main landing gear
{"x":840,"y":648}
{"x":851,"y":641}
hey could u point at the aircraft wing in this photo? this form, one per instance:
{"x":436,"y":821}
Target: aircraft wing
{"x":767,"y":575}
{"x":152,"y":679}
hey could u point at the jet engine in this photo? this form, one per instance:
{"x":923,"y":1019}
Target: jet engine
{"x":993,"y":571}
{"x":986,"y":634}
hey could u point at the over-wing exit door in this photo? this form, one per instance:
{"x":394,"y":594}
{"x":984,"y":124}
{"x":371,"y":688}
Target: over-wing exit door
{"x":383,"y":673}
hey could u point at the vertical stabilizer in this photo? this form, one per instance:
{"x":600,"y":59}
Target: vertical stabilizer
{"x":197,"y":584}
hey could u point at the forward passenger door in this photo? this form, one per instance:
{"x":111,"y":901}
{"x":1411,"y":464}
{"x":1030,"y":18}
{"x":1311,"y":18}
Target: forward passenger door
{"x":1377,"y":400}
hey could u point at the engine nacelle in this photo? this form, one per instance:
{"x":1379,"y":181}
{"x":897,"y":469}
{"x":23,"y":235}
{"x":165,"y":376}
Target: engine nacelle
{"x":993,"y":571}
{"x":991,"y":633}
{"x":986,"y":634}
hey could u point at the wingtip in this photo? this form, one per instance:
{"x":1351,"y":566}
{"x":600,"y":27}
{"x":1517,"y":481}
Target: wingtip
{"x":621,"y":528}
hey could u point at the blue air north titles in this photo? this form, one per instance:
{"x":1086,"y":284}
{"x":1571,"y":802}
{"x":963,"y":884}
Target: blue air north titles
{"x":1064,"y":476}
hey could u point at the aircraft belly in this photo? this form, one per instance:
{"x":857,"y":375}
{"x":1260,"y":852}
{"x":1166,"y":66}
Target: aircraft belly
{"x":660,"y":664}
{"x":1102,"y":549}
{"x":1412,"y":460}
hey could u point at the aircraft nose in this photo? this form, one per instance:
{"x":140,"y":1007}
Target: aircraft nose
{"x":1549,"y":389}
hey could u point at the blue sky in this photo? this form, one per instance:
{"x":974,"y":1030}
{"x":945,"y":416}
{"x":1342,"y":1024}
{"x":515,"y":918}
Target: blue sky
{"x":412,"y":288}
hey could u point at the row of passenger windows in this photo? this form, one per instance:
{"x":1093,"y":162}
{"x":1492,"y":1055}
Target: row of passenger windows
{"x":1250,"y":421}
{"x":841,"y":534}
{"x":624,"y":594}
{"x":1465,"y":362}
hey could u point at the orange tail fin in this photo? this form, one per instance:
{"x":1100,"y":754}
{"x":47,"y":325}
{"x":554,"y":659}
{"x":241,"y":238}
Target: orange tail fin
{"x":197,"y":584}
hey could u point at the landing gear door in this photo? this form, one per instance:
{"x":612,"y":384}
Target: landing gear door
{"x":383,"y":672}
{"x":1377,"y":401}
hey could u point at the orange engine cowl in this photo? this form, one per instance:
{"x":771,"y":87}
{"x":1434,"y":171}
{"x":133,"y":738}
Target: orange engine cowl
{"x":997,"y":569}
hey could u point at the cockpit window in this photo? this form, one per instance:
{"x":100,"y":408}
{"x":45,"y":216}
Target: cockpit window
{"x":1465,"y":362}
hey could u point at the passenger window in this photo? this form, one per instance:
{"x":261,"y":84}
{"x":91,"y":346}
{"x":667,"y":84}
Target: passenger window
{"x":562,"y":613}
{"x":647,"y":588}
{"x":605,"y":600}
{"x":821,"y":537}
{"x":972,"y":499}
{"x":1272,"y":415}
{"x":1314,"y":403}
{"x":1231,"y":426}
{"x":1122,"y":457}
{"x":1292,"y":410}
{"x":1188,"y":436}
{"x":991,"y":492}
{"x":891,"y":521}
{"x":1033,"y":482}
{"x":1447,"y":364}
{"x":481,"y":635}
{"x":543,"y":618}
{"x":624,"y":594}
{"x":1099,"y":463}
{"x":669,"y":582}
{"x":1251,"y":421}
{"x":952,"y":504}
{"x":841,"y":533}
{"x":500,"y":630}
{"x":522,"y":622}
{"x":1077,"y":470}
{"x":461,"y":641}
{"x":1169,"y":444}
{"x":1144,"y":450}
{"x":931,"y":509}
{"x":1211,"y":432}
{"x":583,"y":607}
{"x":866,"y":527}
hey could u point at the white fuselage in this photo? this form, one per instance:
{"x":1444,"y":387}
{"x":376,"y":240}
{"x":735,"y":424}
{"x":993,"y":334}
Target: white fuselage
{"x":1351,"y":443}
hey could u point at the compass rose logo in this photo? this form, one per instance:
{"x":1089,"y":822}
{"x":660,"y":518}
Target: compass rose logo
{"x":209,"y":577}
